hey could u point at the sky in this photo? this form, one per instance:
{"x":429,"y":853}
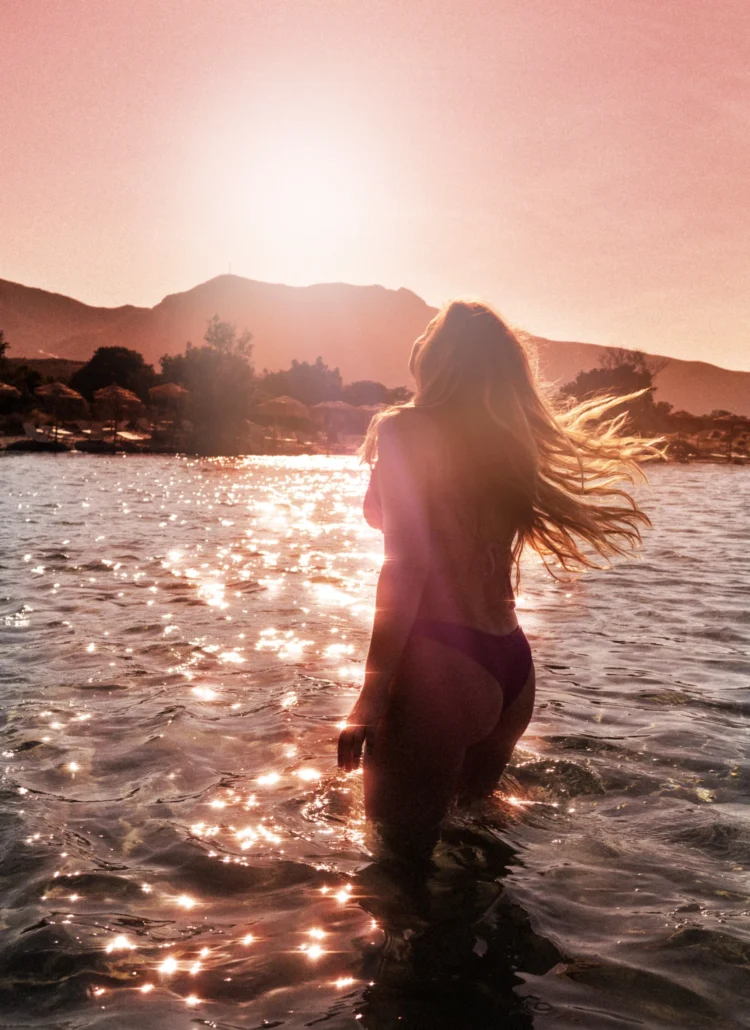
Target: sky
{"x":582,"y":164}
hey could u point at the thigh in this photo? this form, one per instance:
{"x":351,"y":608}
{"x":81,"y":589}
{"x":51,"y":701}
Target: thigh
{"x":411,"y":771}
{"x":441,"y":703}
{"x":485,"y":761}
{"x":410,"y":778}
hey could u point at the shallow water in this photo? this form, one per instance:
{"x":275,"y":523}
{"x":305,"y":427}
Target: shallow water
{"x":178,"y":640}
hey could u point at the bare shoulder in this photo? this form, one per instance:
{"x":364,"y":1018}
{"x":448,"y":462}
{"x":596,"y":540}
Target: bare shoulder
{"x":409,"y":428}
{"x":411,"y":440}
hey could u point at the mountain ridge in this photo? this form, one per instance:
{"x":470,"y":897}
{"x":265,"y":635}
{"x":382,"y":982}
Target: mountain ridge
{"x":365,"y":331}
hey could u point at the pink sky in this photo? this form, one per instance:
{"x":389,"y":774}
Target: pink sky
{"x":583,"y":164}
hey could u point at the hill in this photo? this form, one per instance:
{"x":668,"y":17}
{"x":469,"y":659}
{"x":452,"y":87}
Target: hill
{"x":364,"y":330}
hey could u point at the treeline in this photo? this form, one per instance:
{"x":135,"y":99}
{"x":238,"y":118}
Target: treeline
{"x":718,"y":435}
{"x":23,"y":377}
{"x":224,"y":388}
{"x":623,"y":372}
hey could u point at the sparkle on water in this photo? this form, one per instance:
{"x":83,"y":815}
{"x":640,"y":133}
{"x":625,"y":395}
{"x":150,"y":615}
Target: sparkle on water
{"x":185,"y":640}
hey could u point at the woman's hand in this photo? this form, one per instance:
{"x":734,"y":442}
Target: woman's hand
{"x":351,"y":742}
{"x":360,"y":729}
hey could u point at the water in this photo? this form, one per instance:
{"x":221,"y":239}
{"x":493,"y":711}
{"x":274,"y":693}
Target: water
{"x":179,"y":639}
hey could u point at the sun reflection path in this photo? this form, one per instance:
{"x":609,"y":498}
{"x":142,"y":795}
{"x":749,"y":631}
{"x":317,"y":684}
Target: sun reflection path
{"x":248,"y":635}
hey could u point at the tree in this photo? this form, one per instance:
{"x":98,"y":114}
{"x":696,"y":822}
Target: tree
{"x":310,"y":384}
{"x":118,"y":365}
{"x":618,"y":357}
{"x":623,"y":372}
{"x":400,"y":395}
{"x":222,"y":337}
{"x":221,"y":382}
{"x":365,"y":391}
{"x":24,"y":378}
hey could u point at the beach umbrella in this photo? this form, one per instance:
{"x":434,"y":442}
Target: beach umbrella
{"x":114,"y":394}
{"x":362,"y":414}
{"x":336,"y":415}
{"x":168,"y":393}
{"x":171,"y":396}
{"x":686,"y":422}
{"x":281,"y":408}
{"x":58,"y":391}
{"x":733,"y":424}
{"x":62,"y":400}
{"x":117,"y":401}
{"x":686,"y":417}
{"x":8,"y":394}
{"x":732,"y":420}
{"x":334,"y":407}
{"x":367,"y":413}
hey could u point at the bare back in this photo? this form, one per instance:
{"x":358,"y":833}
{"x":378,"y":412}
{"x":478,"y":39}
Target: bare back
{"x":470,"y":528}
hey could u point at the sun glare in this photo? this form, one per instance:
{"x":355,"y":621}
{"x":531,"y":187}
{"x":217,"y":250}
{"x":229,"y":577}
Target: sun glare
{"x":309,"y":189}
{"x":311,"y":195}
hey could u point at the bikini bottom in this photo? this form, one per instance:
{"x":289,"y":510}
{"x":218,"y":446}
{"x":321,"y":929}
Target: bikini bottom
{"x":506,"y":657}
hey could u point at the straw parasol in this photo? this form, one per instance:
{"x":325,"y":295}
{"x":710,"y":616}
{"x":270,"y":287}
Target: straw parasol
{"x":732,"y":420}
{"x":62,"y":400}
{"x":168,"y":393}
{"x":356,"y":416}
{"x":118,"y":401}
{"x":332,"y":406}
{"x":58,"y":391}
{"x":686,"y":418}
{"x":733,"y":425}
{"x":118,"y":398}
{"x":371,"y":409}
{"x":336,"y":416}
{"x":173,"y":397}
{"x":8,"y":393}
{"x":281,"y":408}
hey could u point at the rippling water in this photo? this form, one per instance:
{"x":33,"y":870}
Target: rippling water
{"x":179,"y":640}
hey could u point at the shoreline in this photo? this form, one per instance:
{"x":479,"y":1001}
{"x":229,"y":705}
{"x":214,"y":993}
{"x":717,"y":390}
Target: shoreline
{"x":23,"y":445}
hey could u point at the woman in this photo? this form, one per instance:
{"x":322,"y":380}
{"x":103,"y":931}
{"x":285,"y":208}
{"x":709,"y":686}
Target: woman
{"x":474,"y":469}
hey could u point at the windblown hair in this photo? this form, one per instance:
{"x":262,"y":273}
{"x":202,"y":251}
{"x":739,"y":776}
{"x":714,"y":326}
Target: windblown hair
{"x":566,"y":465}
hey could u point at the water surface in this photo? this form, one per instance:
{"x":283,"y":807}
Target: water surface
{"x":179,"y":639}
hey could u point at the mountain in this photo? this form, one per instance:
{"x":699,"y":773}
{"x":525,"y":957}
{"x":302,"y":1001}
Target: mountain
{"x":366,"y":331}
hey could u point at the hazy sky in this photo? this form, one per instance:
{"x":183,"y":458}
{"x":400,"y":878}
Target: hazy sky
{"x":584,"y":164}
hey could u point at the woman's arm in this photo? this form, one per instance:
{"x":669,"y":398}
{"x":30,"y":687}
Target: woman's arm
{"x":401,"y":478}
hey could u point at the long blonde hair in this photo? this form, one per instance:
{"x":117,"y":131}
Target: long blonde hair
{"x":565,"y":463}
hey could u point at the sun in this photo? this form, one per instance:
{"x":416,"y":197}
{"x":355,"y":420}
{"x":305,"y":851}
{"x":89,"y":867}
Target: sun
{"x":310,"y":201}
{"x":313,"y":189}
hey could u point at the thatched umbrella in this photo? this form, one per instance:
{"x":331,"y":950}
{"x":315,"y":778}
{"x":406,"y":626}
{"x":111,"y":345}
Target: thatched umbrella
{"x":168,"y":394}
{"x":371,"y":409}
{"x":62,"y":400}
{"x":335,"y":416}
{"x":333,"y":406}
{"x":357,"y":416}
{"x":279,"y":409}
{"x":733,"y":423}
{"x":8,"y":394}
{"x":118,"y":401}
{"x":367,"y":413}
{"x":171,"y":396}
{"x":686,"y":420}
